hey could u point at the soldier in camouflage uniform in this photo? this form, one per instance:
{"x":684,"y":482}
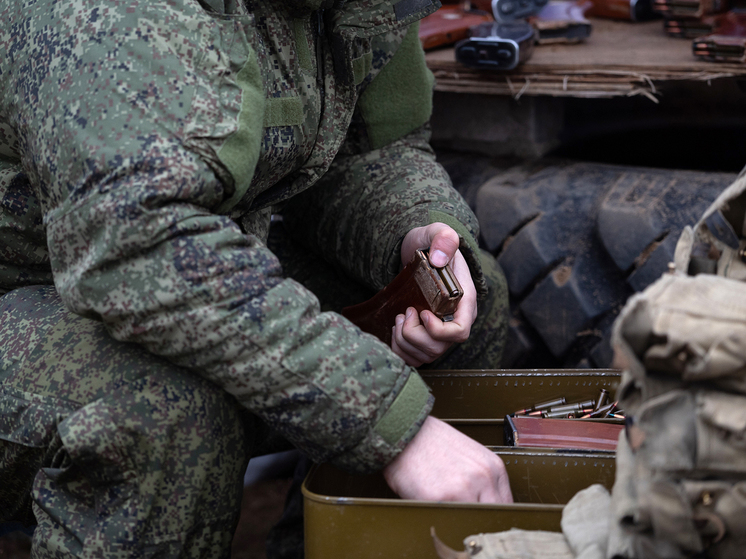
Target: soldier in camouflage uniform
{"x":149,"y":341}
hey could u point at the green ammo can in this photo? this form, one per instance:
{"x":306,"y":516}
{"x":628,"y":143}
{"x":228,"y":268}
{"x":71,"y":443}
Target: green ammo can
{"x":353,"y":516}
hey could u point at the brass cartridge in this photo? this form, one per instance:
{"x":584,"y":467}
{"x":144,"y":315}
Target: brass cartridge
{"x":603,"y":396}
{"x":574,"y":407}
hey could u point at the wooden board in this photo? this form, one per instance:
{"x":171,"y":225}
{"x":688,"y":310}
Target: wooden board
{"x":618,"y":59}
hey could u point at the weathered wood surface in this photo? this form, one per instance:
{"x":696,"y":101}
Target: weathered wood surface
{"x":618,"y":59}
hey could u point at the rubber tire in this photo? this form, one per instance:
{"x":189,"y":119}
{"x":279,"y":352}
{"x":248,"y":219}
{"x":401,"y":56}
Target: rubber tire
{"x":575,"y":240}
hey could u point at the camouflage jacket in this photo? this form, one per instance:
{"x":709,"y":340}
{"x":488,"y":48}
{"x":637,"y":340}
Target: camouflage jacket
{"x":156,"y":138}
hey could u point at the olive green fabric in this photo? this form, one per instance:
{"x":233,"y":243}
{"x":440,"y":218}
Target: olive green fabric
{"x":404,"y":411}
{"x":359,"y":212}
{"x":240,"y":152}
{"x":361,"y":67}
{"x":24,"y":258}
{"x":304,"y":53}
{"x":400,"y":98}
{"x":283,"y":111}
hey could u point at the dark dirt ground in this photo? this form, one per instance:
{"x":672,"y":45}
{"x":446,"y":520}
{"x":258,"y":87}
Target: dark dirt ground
{"x":261,"y":508}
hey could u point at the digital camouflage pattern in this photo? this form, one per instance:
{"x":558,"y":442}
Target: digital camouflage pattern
{"x":24,"y":259}
{"x":138,"y":455}
{"x":121,"y":113}
{"x":143,"y":147}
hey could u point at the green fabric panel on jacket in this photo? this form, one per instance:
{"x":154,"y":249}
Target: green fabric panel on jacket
{"x":404,"y":411}
{"x":283,"y":111}
{"x":301,"y":45}
{"x":361,"y":67}
{"x":399,"y":99}
{"x":240,"y":152}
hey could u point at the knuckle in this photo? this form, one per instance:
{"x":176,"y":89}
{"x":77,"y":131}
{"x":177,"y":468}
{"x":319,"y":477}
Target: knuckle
{"x":461,"y":335}
{"x":407,"y":335}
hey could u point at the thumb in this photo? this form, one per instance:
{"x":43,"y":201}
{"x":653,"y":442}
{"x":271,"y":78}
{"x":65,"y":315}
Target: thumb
{"x":442,"y":241}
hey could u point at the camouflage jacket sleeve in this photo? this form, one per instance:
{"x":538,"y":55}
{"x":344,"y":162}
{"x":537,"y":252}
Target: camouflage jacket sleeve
{"x":118,"y":137}
{"x":385,"y":181}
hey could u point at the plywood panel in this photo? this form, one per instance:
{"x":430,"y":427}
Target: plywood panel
{"x":619,"y":58}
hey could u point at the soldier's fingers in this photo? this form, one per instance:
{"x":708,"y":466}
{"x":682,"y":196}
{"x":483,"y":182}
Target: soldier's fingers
{"x":504,"y":493}
{"x":403,"y":349}
{"x":498,"y":491}
{"x":406,"y":357}
{"x":488,"y":495}
{"x":455,"y":331}
{"x":415,"y":336}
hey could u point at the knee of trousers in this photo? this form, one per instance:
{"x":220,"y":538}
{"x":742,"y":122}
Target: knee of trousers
{"x":155,"y":469}
{"x":484,"y":348}
{"x":151,"y":447}
{"x":170,"y":434}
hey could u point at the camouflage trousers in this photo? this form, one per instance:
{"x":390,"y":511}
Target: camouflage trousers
{"x":114,"y":452}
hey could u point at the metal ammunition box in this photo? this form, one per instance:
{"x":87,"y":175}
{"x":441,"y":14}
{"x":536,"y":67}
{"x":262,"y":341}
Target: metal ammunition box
{"x":359,"y":516}
{"x":477,"y":401}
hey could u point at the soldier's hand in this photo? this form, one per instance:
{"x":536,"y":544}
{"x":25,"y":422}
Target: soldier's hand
{"x":443,"y":464}
{"x":422,"y":338}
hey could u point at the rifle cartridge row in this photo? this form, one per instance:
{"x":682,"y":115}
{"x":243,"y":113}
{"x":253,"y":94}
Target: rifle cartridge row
{"x":558,"y":408}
